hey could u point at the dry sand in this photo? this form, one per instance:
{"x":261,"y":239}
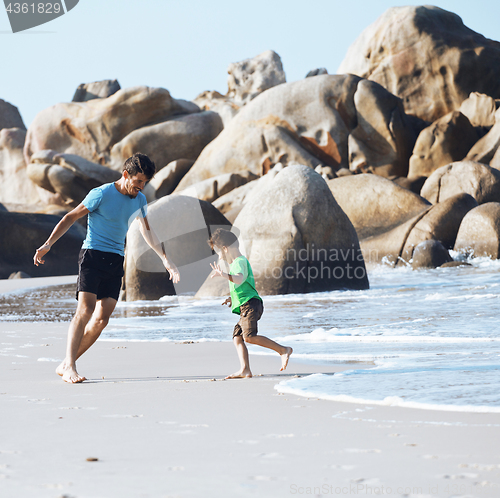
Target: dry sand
{"x":161,"y":422}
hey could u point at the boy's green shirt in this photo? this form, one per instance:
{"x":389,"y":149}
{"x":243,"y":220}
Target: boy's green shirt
{"x":242,"y":293}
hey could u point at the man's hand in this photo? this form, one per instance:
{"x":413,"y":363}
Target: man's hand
{"x":228,"y":302}
{"x":40,"y":253}
{"x":217,"y":270}
{"x":173,"y":272}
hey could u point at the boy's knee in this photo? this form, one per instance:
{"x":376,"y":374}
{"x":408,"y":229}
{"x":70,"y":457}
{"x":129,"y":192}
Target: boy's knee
{"x":250,"y":339}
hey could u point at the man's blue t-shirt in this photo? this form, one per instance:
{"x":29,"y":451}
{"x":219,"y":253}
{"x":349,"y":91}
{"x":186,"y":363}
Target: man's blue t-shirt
{"x":110,"y":215}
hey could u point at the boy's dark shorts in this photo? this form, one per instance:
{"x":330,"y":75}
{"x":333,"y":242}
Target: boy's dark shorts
{"x":250,"y":313}
{"x":100,"y":273}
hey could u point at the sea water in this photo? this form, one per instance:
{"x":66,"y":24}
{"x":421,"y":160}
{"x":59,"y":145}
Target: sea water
{"x":426,"y":338}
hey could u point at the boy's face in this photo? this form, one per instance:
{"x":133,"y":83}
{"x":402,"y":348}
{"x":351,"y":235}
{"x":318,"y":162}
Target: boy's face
{"x":221,"y":252}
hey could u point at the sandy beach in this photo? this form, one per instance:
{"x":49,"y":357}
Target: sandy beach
{"x":160,"y":421}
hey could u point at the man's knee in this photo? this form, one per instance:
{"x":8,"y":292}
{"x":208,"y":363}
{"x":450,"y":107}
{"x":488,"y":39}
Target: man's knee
{"x":84,"y":313}
{"x":101,"y":322}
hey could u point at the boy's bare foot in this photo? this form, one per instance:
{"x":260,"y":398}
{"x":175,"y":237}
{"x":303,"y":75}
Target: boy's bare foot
{"x":242,"y":374}
{"x":284,"y":358}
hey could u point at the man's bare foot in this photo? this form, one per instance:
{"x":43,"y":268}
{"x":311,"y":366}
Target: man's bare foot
{"x":242,"y":374}
{"x":61,"y":368}
{"x":72,"y":376}
{"x":284,"y":358}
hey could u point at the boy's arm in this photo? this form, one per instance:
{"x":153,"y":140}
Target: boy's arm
{"x":59,"y":230}
{"x":237,"y":279}
{"x":158,"y":247}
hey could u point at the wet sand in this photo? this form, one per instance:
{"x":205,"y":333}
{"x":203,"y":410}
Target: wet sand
{"x":159,"y":421}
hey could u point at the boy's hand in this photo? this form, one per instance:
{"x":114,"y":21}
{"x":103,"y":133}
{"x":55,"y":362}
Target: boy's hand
{"x":228,"y":302}
{"x":40,"y":253}
{"x":217,"y":270}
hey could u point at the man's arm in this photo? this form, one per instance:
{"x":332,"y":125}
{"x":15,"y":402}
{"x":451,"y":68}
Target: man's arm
{"x":158,"y":247}
{"x":59,"y":230}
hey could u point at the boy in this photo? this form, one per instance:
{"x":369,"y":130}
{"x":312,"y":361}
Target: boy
{"x":244,"y":301}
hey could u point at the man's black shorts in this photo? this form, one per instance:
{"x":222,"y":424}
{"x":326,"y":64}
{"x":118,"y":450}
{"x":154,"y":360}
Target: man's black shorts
{"x":100,"y":273}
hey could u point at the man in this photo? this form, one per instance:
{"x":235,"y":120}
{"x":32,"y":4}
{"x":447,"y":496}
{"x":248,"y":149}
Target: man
{"x":111,"y":207}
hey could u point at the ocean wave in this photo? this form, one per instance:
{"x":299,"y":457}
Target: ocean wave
{"x":293,"y":386}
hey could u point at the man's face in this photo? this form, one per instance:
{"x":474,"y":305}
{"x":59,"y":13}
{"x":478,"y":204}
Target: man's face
{"x":134,"y":184}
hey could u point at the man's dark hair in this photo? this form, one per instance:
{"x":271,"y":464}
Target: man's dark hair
{"x":140,"y":163}
{"x":222,"y":238}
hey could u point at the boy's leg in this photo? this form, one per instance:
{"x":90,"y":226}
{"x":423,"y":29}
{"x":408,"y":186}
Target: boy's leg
{"x":265,"y":342}
{"x":85,"y":308}
{"x":251,"y":314}
{"x":242,"y":351}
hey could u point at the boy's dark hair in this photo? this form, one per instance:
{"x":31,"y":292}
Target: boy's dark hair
{"x":222,"y":238}
{"x":140,"y":163}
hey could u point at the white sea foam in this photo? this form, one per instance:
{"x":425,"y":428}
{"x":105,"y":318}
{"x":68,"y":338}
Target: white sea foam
{"x":293,"y":386}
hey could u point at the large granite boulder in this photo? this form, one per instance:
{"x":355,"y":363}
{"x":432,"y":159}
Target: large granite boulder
{"x":184,"y":225}
{"x":256,"y":146}
{"x":298,"y":239}
{"x":67,"y":176}
{"x":310,"y":122}
{"x":15,"y":185}
{"x":166,"y":180}
{"x":426,"y":56}
{"x":439,"y":222}
{"x":251,"y":77}
{"x":10,"y":116}
{"x":430,"y":254}
{"x":484,"y":150}
{"x":232,"y":203}
{"x":183,"y":137}
{"x":21,"y":234}
{"x":479,"y":109}
{"x":96,"y":90}
{"x":447,"y":140}
{"x":383,"y":139}
{"x":212,"y":188}
{"x":478,"y":180}
{"x":374,"y":204}
{"x":479,"y":233}
{"x":223,"y":105}
{"x":495,"y":162}
{"x":90,"y":129}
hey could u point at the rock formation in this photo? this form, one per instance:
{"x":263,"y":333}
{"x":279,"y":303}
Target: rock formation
{"x":21,"y":234}
{"x":311,"y":122}
{"x":298,"y":239}
{"x":447,"y":140}
{"x":68,"y":176}
{"x":96,"y":90}
{"x":479,"y":233}
{"x":375,"y":205}
{"x":251,"y":77}
{"x":426,"y":56}
{"x":478,"y":180}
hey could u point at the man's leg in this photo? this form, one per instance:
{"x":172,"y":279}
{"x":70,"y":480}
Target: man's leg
{"x":97,"y":323}
{"x":243,"y":357}
{"x":84,"y":310}
{"x":265,"y":342}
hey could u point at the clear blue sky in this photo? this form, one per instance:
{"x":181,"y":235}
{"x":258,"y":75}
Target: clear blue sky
{"x":186,"y":45}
